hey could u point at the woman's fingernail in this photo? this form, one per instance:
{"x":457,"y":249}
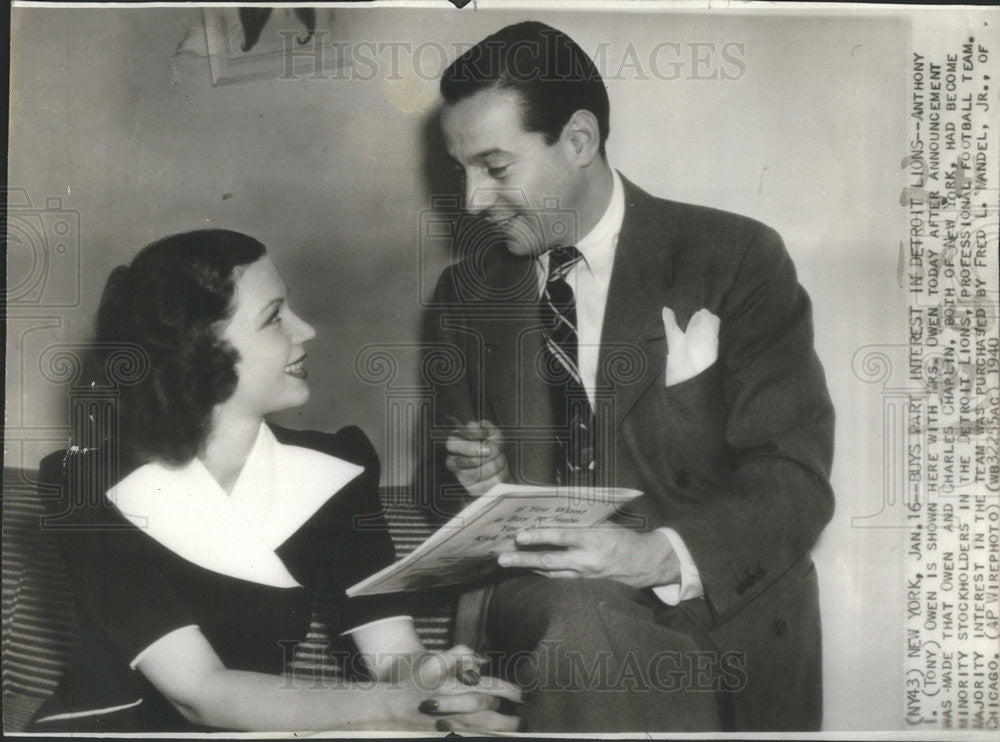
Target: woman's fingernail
{"x":504,"y":560}
{"x":443,"y":725}
{"x":428,"y":707}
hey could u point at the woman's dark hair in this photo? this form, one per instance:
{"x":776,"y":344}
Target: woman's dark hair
{"x":553,"y":76}
{"x":167,"y":305}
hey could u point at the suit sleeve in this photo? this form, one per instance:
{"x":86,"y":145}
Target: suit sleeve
{"x":778,"y":431}
{"x":450,"y":363}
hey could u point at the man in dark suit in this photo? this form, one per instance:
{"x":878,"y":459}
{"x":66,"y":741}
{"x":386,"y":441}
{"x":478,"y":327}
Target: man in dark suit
{"x":620,"y":339}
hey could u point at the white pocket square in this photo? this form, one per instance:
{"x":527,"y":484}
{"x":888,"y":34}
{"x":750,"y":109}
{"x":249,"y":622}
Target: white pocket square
{"x":691,"y":352}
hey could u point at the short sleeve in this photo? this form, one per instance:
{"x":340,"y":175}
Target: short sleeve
{"x":116,"y":570}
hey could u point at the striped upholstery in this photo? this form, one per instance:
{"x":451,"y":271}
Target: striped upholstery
{"x":38,"y":613}
{"x":38,"y":616}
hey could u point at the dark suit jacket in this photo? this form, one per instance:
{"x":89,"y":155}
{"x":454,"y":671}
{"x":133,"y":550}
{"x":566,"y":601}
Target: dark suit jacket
{"x":735,"y":459}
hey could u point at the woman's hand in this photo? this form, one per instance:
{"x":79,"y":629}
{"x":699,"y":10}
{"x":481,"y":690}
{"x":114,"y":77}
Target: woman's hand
{"x":431,"y":669}
{"x":420,"y":687}
{"x":451,"y":689}
{"x":471,"y":710}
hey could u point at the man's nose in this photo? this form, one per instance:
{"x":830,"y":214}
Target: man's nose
{"x":479,"y":196}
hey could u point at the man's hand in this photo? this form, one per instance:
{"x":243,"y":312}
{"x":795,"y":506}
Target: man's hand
{"x":637,"y":559}
{"x":475,"y":455}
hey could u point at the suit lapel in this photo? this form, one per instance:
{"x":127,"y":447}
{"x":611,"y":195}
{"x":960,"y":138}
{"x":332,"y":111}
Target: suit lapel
{"x":516,"y":394}
{"x":633,"y":344}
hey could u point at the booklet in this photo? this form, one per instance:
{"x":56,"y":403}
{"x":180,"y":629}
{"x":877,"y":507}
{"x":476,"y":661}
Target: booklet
{"x":467,"y":546}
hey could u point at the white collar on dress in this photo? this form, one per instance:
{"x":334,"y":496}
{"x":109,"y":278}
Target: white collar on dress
{"x":188,"y":512}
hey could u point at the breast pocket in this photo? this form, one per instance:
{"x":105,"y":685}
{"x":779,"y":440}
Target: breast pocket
{"x":683,"y":426}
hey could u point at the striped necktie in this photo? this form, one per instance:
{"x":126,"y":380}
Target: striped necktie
{"x":572,"y":413}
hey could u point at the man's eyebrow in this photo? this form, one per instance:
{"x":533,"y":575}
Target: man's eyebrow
{"x":489,"y":153}
{"x":479,"y":156}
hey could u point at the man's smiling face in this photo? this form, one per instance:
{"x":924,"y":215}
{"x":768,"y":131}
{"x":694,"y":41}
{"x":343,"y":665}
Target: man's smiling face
{"x":529,"y":189}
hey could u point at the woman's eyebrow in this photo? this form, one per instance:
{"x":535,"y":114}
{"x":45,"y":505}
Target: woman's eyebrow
{"x":267,"y":307}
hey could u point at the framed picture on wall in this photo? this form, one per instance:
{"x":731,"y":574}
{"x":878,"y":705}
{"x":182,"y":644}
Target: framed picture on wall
{"x":255,"y":43}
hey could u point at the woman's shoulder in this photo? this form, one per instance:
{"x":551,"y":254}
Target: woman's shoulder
{"x":77,"y":476}
{"x":349,"y":443}
{"x":97,"y":467}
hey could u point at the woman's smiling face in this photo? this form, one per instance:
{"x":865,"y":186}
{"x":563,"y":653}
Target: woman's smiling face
{"x":269,"y":337}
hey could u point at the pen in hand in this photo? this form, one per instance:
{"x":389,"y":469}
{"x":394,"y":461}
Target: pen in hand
{"x":471,"y":431}
{"x":459,"y":426}
{"x":475,"y":453}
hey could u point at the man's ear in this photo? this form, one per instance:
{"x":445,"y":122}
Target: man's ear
{"x":584,"y":136}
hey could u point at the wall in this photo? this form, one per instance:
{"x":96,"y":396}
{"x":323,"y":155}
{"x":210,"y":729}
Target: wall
{"x":114,"y":113}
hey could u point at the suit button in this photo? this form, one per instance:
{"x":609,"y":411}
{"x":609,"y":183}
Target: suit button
{"x":682,"y":478}
{"x":780,"y":627}
{"x":760,"y":573}
{"x":751,"y":579}
{"x":741,"y":588}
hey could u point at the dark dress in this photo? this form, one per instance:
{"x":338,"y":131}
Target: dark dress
{"x":131,"y":590}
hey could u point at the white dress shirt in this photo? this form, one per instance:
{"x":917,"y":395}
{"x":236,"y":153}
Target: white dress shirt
{"x":589,"y":278}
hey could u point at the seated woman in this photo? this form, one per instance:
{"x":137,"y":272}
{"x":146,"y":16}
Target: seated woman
{"x":196,"y":537}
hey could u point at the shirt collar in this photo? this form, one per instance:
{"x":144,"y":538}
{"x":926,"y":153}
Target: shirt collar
{"x":186,"y":510}
{"x":598,"y":245}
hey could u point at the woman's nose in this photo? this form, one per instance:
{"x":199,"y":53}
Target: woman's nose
{"x":303,"y":330}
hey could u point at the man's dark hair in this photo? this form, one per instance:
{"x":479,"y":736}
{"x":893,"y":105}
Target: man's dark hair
{"x":553,"y":76}
{"x":170,"y":302}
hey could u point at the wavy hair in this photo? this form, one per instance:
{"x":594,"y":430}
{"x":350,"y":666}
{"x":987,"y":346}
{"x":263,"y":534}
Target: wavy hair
{"x":169,"y":301}
{"x":553,"y":76}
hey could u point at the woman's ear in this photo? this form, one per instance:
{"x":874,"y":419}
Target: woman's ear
{"x":584,"y":136}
